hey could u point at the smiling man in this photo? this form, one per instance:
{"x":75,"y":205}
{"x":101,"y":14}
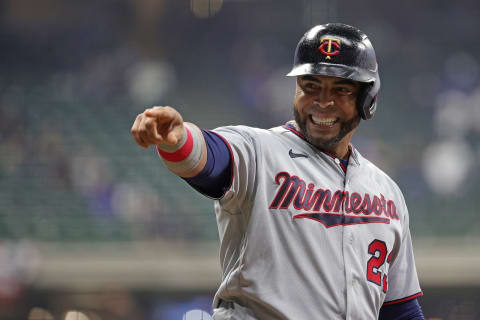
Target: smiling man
{"x":309,"y":229}
{"x":325,"y":110}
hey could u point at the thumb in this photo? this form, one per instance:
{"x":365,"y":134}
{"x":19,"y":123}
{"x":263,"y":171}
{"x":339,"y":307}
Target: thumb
{"x":172,"y":137}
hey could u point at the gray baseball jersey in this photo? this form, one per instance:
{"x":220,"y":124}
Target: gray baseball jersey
{"x":302,"y":239}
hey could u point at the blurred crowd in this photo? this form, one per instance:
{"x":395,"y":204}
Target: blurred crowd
{"x":74,"y":76}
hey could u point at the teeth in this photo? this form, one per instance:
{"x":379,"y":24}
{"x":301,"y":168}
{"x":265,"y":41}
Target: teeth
{"x":323,"y":121}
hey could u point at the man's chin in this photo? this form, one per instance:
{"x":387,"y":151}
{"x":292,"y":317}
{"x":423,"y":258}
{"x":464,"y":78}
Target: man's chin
{"x":323,"y":142}
{"x":318,"y":138}
{"x":323,"y":138}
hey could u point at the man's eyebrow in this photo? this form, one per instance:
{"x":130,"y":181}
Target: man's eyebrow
{"x":341,"y":81}
{"x":310,"y":78}
{"x":346,"y":81}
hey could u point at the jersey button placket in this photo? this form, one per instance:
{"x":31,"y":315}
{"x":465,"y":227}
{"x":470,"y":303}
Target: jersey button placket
{"x":343,"y":312}
{"x":347,"y":244}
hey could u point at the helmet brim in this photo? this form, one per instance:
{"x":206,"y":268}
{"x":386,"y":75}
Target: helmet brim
{"x":333,"y":70}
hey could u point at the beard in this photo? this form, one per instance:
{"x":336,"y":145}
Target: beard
{"x":345,"y":127}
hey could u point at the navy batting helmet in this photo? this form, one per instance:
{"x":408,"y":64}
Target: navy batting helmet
{"x":340,"y":50}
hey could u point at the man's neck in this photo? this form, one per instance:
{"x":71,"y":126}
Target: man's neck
{"x":342,"y":149}
{"x":341,"y":152}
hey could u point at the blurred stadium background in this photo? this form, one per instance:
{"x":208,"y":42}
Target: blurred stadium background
{"x":93,"y":223}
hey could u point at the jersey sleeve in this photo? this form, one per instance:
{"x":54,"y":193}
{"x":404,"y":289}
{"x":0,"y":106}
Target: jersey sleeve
{"x":406,"y":310}
{"x":215,"y":178}
{"x":240,"y":141}
{"x":403,"y":282}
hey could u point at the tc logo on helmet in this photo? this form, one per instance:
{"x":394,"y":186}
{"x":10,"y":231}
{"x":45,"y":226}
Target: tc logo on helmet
{"x":329,"y":43}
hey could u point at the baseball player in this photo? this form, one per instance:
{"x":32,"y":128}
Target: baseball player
{"x":309,"y":228}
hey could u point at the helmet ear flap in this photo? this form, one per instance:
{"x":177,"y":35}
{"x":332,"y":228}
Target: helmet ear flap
{"x":367,"y":99}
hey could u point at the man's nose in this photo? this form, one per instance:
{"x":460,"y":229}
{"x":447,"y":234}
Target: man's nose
{"x":324,"y":99}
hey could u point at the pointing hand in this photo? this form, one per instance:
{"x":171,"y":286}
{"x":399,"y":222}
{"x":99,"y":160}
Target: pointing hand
{"x":158,"y":125}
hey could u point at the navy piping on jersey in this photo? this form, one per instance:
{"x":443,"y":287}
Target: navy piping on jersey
{"x":343,"y":164}
{"x":413,"y":296}
{"x":409,"y":309}
{"x":217,"y":175}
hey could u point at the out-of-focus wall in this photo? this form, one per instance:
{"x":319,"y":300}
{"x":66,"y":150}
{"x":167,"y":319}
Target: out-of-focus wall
{"x":78,"y":198}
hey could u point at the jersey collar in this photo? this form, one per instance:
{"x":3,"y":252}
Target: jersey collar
{"x":293,"y":127}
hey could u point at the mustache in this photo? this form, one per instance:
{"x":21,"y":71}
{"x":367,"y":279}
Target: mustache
{"x":318,"y":109}
{"x":315,"y":107}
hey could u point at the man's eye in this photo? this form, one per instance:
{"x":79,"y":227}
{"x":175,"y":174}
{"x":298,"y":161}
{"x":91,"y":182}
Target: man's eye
{"x":343,"y":91}
{"x":310,"y":86}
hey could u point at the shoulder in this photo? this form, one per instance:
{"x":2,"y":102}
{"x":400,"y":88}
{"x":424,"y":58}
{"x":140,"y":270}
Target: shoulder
{"x":378,"y":175}
{"x":387,"y":187}
{"x":249,"y":132}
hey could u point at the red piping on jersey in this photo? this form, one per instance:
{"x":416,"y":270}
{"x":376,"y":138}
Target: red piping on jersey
{"x":294,"y":131}
{"x":413,"y":296}
{"x":231,"y":157}
{"x":331,"y":155}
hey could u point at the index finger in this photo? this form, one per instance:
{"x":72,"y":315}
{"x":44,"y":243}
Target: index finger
{"x":160,"y":112}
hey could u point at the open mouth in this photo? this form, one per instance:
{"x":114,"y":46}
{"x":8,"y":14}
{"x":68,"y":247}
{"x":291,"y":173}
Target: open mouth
{"x":323,"y":121}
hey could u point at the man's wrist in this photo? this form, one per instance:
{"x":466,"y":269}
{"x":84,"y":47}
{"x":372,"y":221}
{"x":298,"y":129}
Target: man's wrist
{"x":179,"y":151}
{"x":185,"y":156}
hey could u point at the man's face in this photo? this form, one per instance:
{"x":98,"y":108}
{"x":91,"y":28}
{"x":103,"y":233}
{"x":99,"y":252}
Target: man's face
{"x":325,"y":109}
